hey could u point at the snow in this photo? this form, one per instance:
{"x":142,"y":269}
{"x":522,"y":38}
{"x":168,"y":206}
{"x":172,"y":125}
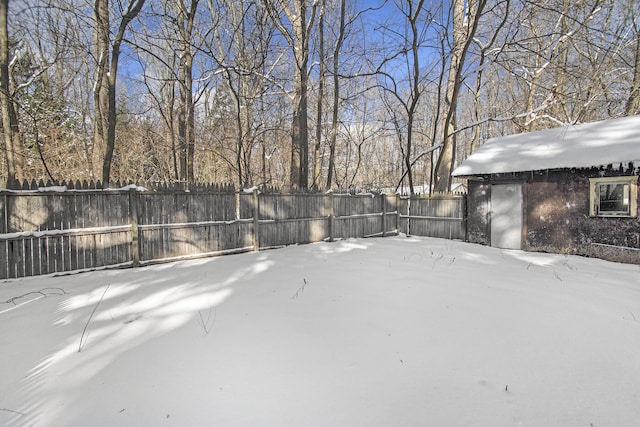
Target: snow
{"x":615,"y":142}
{"x":65,"y":189}
{"x":54,"y":188}
{"x":65,"y":232}
{"x":129,"y":187}
{"x":391,"y":331}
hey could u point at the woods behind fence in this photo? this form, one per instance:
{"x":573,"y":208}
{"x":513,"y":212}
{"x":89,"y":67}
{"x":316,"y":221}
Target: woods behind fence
{"x":44,"y":231}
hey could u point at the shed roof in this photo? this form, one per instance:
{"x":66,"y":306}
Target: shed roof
{"x":587,"y":145}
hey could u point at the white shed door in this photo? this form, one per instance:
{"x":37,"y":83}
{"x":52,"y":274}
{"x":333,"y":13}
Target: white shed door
{"x":506,"y":216}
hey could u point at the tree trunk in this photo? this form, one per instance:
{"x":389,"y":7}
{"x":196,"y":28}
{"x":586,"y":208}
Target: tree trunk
{"x":300,"y":127}
{"x":298,"y":40}
{"x":336,"y":95}
{"x":477,"y":100}
{"x":464,"y":28}
{"x":105,"y":91}
{"x":415,"y":91}
{"x":633,"y":103}
{"x":186,"y":120}
{"x":111,"y":118}
{"x":317,"y":161}
{"x":101,"y":84}
{"x":10,"y":129}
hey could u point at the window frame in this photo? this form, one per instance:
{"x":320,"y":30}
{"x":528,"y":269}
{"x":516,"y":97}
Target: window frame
{"x":594,"y":196}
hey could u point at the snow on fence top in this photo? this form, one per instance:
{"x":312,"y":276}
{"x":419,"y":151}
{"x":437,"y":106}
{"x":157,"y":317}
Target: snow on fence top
{"x":608,"y":142}
{"x":62,"y":186}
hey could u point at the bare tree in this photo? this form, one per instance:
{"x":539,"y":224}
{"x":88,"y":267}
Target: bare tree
{"x":465,"y":19}
{"x":294,"y":20}
{"x":108,"y":54}
{"x":632,"y":105}
{"x":404,"y":79}
{"x":166,"y":50}
{"x":239,"y":46}
{"x":322,"y":75}
{"x":486,"y":48}
{"x":186,"y":15}
{"x":335,"y":72}
{"x":10,"y":130}
{"x":159,"y":77}
{"x":237,"y":81}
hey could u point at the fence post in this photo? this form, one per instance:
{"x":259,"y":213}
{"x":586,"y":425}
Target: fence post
{"x":398,"y":204}
{"x":465,"y":234}
{"x":384,"y":214}
{"x":256,"y":220}
{"x":5,"y":211}
{"x":133,"y":218}
{"x":331,"y":216}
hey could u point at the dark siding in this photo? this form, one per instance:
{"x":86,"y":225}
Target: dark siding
{"x":478,"y":212}
{"x":557,"y":207}
{"x":556,"y":217}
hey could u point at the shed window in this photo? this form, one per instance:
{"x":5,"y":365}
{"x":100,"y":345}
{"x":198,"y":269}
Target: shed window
{"x":614,"y":196}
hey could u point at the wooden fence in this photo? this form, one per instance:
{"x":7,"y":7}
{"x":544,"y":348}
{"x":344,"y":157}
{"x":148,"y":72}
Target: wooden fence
{"x":46,"y":231}
{"x":442,"y":216}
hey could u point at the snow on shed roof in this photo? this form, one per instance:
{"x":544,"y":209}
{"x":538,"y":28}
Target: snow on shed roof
{"x":578,"y":146}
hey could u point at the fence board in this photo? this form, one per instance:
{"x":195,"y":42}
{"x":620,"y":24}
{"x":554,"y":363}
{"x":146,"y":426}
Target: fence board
{"x":4,"y":222}
{"x":18,"y":258}
{"x":98,"y":251}
{"x":74,"y":254}
{"x":56,"y":208}
{"x":83,"y":253}
{"x":52,"y":245}
{"x":4,"y":261}
{"x":28,"y":257}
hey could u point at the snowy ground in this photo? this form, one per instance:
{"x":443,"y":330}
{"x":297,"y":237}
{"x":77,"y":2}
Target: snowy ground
{"x":377,"y":332}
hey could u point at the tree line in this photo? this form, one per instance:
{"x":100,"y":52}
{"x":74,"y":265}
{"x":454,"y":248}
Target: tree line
{"x":299,"y":93}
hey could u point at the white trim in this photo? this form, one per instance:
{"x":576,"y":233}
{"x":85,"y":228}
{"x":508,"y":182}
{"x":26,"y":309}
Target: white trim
{"x":594,"y":197}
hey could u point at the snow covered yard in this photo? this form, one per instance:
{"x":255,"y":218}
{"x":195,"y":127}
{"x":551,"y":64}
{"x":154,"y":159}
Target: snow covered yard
{"x":376,"y":332}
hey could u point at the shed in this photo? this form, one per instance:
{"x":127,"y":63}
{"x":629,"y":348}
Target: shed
{"x":571,"y":190}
